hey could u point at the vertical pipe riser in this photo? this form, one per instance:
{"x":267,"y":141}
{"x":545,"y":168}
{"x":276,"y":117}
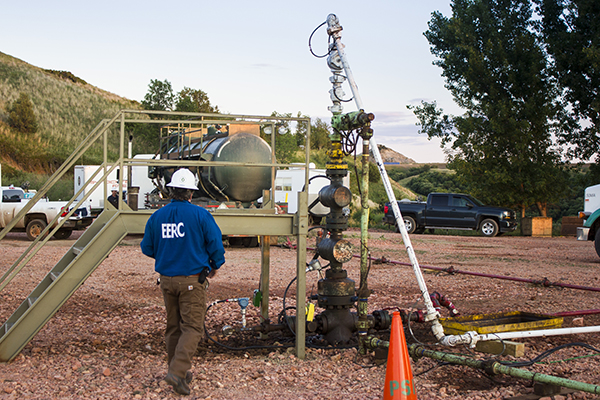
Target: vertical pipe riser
{"x":334,"y":30}
{"x":363,"y":292}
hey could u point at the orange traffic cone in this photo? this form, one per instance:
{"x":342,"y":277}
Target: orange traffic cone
{"x":399,"y":384}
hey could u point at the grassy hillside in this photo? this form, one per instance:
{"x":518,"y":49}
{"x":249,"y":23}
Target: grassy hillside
{"x":405,"y":181}
{"x":66,"y":108}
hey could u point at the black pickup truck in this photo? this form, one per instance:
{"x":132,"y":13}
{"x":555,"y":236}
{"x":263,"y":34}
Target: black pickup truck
{"x":453,"y":211}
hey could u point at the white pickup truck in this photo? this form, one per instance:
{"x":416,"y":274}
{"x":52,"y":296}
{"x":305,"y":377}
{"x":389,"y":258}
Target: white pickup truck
{"x":40,"y":215}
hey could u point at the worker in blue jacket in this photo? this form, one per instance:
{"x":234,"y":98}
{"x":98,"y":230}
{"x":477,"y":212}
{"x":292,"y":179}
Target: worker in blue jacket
{"x":187,"y":247}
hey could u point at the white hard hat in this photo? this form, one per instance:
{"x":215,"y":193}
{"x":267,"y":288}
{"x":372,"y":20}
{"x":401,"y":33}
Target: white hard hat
{"x":184,"y":179}
{"x":114,"y":189}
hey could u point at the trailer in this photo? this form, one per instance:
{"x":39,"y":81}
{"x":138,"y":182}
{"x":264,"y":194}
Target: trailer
{"x":96,"y":199}
{"x":138,"y":178}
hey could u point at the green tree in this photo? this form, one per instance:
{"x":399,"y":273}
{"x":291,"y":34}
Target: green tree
{"x":286,"y":144}
{"x":496,"y":70}
{"x":319,"y":135}
{"x":159,"y":96}
{"x":374,"y":175}
{"x":301,"y":129}
{"x":571,"y":30}
{"x":21,"y":116}
{"x":194,"y":100}
{"x":399,"y":173}
{"x":435,"y":181}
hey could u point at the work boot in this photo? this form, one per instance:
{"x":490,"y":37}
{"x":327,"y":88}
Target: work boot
{"x":179,"y":384}
{"x":188,"y":377}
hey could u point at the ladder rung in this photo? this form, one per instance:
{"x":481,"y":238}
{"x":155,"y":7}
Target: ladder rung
{"x":54,"y":276}
{"x":77,"y":250}
{"x":31,"y":300}
{"x":7,"y":326}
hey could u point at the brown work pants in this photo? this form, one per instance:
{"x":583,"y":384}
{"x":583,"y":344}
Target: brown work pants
{"x":185,"y":302}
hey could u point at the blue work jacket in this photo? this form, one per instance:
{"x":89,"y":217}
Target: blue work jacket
{"x":183,"y":239}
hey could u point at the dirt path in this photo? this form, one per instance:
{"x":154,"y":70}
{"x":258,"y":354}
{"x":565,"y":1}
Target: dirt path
{"x":106,"y":342}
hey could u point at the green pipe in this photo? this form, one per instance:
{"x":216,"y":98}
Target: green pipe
{"x":373,"y":342}
{"x":489,"y":366}
{"x":362,"y":324}
{"x":494,"y":367}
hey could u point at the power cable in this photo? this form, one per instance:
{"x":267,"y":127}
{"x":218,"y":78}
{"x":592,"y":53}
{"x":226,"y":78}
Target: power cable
{"x":547,"y":353}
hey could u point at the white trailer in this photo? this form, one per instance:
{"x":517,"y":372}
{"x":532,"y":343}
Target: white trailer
{"x":97,"y":198}
{"x":139,"y":178}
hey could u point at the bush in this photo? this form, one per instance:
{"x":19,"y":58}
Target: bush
{"x":375,"y":218}
{"x":66,"y":75}
{"x":21,"y":116}
{"x":399,"y":173}
{"x":435,"y":181}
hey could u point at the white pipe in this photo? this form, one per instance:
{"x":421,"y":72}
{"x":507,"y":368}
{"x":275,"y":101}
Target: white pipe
{"x":129,"y":155}
{"x":539,"y":333}
{"x":432,"y":313}
{"x":471,"y":338}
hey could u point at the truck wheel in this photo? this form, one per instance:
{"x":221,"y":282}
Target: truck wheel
{"x":410,"y":224}
{"x":34,"y":228}
{"x":489,"y":228}
{"x":235,"y":241}
{"x":63,"y":234}
{"x":251,"y":241}
{"x":597,"y":244}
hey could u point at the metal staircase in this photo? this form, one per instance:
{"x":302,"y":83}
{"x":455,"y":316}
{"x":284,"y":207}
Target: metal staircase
{"x":68,"y":274}
{"x":112,"y":225}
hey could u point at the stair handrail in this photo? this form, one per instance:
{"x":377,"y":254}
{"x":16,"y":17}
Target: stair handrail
{"x":20,"y":263}
{"x":77,"y":153}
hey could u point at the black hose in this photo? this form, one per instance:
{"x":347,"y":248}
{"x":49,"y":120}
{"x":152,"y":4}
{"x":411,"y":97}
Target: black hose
{"x":285,"y":316}
{"x":312,"y":346}
{"x":548,"y":353}
{"x":235,"y":348}
{"x":310,"y":39}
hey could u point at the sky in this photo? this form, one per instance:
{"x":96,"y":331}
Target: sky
{"x":249,"y":57}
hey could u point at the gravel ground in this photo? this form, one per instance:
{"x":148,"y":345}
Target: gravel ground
{"x":106,"y":342}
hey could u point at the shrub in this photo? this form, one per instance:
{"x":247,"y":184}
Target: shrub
{"x":66,"y":75}
{"x":21,"y":116}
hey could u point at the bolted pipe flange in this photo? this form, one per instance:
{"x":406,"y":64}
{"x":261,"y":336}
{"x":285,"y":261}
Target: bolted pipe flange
{"x":383,"y":320}
{"x":336,"y":291}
